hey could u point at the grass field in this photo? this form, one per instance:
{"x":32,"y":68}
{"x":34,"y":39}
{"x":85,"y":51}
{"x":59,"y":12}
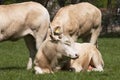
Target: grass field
{"x":14,"y":57}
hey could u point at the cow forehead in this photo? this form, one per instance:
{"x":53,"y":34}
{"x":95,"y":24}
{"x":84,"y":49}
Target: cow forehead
{"x":68,"y":38}
{"x":67,"y":41}
{"x":65,"y":38}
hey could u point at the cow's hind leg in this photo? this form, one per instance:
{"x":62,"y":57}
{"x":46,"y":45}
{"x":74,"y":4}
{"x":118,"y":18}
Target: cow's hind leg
{"x":30,"y":42}
{"x":41,"y":34}
{"x":94,"y":35}
{"x":1,"y":37}
{"x":98,"y":68}
{"x":97,"y":62}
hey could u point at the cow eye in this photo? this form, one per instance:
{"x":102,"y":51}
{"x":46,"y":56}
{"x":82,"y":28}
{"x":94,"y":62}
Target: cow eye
{"x":68,"y":43}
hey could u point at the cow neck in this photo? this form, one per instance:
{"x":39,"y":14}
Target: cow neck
{"x":50,"y":50}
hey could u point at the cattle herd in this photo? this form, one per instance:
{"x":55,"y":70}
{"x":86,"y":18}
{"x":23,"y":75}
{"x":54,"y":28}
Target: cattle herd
{"x":52,"y":45}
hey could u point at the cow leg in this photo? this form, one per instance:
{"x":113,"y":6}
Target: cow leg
{"x":1,"y":37}
{"x":97,"y":62}
{"x":95,"y":34}
{"x":41,"y":35}
{"x":30,"y":42}
{"x":38,"y":70}
{"x":98,"y":68}
{"x":76,"y":66}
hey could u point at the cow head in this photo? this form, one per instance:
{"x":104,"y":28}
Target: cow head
{"x":64,"y":44}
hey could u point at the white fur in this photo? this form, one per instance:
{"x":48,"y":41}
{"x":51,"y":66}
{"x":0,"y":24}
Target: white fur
{"x":38,"y":70}
{"x":29,"y":65}
{"x":87,"y":52}
{"x":98,"y":68}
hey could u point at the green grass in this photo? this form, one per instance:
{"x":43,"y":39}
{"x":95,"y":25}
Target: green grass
{"x":14,"y":57}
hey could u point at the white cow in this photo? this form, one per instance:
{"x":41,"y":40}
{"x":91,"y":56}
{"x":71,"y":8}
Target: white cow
{"x":79,"y":20}
{"x":52,"y":50}
{"x":29,"y":20}
{"x":89,"y":58}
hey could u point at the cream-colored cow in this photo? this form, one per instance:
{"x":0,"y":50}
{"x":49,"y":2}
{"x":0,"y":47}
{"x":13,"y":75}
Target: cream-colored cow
{"x":52,"y":51}
{"x":89,"y":58}
{"x":79,"y":20}
{"x":29,"y":20}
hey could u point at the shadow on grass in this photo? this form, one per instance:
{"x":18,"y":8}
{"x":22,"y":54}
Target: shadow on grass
{"x":12,"y":68}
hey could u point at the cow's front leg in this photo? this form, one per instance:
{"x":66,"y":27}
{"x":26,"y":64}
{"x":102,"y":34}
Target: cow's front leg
{"x":76,"y":67}
{"x":1,"y":37}
{"x":30,"y":42}
{"x":38,"y":70}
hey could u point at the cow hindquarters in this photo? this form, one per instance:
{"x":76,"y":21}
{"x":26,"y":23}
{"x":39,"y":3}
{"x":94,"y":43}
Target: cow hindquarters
{"x":31,"y":45}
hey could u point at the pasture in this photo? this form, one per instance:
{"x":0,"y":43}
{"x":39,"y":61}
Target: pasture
{"x":14,"y":57}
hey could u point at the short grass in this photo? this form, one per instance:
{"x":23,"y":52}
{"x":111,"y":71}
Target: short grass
{"x":14,"y":57}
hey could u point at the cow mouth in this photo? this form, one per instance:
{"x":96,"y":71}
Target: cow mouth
{"x":75,"y":58}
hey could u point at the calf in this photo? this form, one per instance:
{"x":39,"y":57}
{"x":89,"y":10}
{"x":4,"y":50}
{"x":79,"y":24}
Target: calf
{"x":51,"y":51}
{"x":79,"y":20}
{"x":29,"y":20}
{"x":89,"y":58}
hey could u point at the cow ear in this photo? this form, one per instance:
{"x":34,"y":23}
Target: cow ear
{"x":57,"y":30}
{"x":53,"y":35}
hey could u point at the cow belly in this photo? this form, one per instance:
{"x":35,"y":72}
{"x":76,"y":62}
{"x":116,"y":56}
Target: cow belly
{"x":24,"y":33}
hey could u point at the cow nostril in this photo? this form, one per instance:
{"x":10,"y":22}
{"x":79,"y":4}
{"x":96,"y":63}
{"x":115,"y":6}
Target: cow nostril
{"x":76,"y":55}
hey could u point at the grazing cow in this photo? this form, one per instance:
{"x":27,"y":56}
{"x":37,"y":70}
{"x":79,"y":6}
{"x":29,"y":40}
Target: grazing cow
{"x":79,"y":20}
{"x":29,"y":20}
{"x":89,"y":58}
{"x":52,"y":50}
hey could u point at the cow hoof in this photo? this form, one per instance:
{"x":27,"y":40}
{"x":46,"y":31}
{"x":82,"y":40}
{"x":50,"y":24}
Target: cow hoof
{"x":38,"y":70}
